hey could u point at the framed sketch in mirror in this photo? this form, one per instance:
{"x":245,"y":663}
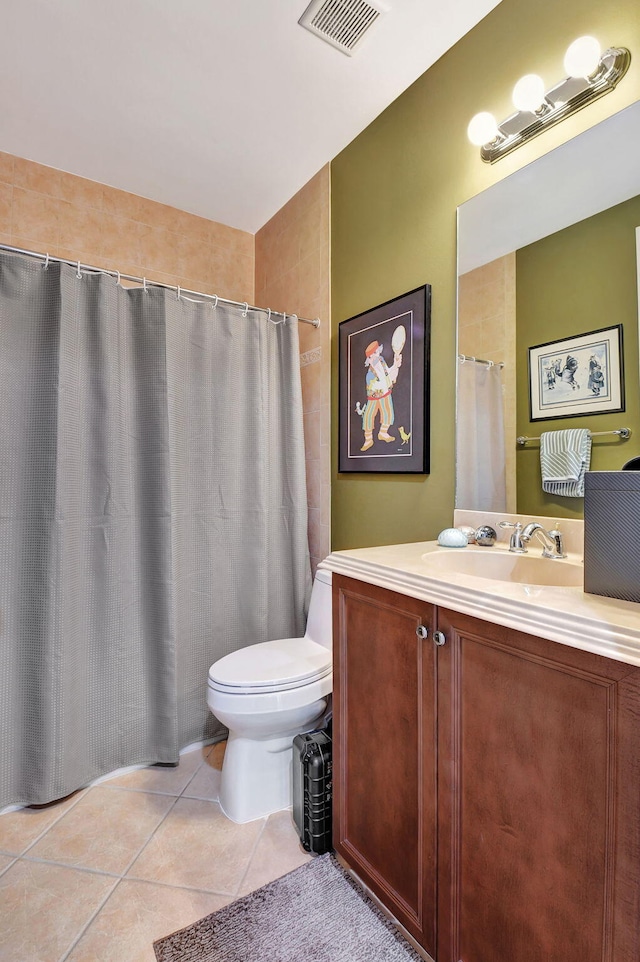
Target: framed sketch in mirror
{"x":577,"y":375}
{"x":384,"y":387}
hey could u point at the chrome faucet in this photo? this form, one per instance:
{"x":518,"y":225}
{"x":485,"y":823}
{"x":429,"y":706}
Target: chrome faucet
{"x":552,"y":541}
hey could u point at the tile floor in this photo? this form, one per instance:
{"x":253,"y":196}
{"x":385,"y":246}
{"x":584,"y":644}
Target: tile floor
{"x":100,"y":875}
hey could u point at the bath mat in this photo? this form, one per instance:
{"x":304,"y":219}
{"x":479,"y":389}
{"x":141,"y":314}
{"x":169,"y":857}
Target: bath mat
{"x":315,"y":913}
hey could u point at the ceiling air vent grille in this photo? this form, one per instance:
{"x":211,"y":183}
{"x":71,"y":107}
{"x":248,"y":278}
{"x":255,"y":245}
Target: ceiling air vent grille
{"x":342,"y":23}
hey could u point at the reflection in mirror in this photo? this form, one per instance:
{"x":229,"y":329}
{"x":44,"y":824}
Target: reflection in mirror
{"x":480,"y":434}
{"x":547,"y":253}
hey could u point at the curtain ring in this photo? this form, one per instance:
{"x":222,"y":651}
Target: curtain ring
{"x":117,"y":278}
{"x":178,"y":292}
{"x":215,"y":303}
{"x":246,"y":309}
{"x":284,"y":317}
{"x":45,"y":266}
{"x":144,"y":285}
{"x":79,"y":272}
{"x":268,"y":313}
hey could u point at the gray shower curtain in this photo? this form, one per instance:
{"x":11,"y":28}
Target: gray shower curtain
{"x":152,"y":517}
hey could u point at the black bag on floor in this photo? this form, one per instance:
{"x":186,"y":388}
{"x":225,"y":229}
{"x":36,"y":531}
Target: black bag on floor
{"x":312,"y":774}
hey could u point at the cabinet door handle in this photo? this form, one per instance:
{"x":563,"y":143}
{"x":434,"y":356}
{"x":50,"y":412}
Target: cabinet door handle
{"x":439,"y":638}
{"x":422,"y":631}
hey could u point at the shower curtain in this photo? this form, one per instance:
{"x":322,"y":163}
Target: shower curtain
{"x":480,"y":464}
{"x":152,"y":517}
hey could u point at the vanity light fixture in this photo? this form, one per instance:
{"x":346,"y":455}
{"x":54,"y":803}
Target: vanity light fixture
{"x":590,"y":74}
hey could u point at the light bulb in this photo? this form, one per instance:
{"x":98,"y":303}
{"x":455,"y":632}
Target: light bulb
{"x":583,"y":57}
{"x":528,"y":93}
{"x":482,"y":129}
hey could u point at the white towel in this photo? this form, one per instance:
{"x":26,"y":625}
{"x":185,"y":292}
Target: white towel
{"x":565,"y":456}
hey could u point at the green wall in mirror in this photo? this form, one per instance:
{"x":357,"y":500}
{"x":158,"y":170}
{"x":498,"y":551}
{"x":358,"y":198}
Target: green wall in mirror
{"x":577,"y":280}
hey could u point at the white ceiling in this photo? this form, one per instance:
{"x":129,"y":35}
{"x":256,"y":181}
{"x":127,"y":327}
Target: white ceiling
{"x":224,"y":108}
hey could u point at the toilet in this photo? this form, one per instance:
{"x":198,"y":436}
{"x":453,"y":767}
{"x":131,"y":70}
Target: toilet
{"x":266,"y":694}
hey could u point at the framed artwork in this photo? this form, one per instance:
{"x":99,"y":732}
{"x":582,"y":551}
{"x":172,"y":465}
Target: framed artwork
{"x":578,"y":375}
{"x":384,"y":387}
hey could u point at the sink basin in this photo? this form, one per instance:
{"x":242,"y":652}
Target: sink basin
{"x":499,"y":565}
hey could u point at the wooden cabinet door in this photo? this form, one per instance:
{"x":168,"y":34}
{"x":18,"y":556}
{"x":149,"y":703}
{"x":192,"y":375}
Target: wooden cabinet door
{"x":539,"y":802}
{"x":384,"y":749}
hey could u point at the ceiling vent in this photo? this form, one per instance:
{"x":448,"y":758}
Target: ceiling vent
{"x":342,"y":23}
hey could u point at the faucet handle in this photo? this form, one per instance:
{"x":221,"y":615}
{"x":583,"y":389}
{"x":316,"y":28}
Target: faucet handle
{"x":516,"y":543}
{"x":558,"y":544}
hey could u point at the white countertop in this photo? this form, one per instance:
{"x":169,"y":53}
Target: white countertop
{"x":565,"y":615}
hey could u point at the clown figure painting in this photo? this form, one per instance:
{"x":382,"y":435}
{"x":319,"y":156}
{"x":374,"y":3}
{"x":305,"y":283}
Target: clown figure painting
{"x":383,"y":387}
{"x":380,"y":380}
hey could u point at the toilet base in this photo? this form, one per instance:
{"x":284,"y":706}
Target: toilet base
{"x":257,"y":775}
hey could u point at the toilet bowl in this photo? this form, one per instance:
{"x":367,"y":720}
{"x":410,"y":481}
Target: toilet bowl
{"x":266,"y":694}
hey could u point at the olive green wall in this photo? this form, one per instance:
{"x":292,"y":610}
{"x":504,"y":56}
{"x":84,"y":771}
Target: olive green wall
{"x":578,"y":280}
{"x":395,"y":190}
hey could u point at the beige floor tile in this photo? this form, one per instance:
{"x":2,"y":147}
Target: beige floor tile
{"x":20,"y":829}
{"x":278,"y":851}
{"x":170,"y":781}
{"x":206,"y":782}
{"x":5,"y":862}
{"x":198,"y":847}
{"x":135,"y":915}
{"x":43,"y":907}
{"x":104,"y":831}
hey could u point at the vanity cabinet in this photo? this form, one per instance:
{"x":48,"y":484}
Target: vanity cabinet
{"x":488,"y":789}
{"x":385,"y":743}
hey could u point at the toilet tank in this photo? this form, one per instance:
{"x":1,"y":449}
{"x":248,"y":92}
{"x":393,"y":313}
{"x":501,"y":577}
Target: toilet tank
{"x":319,"y":622}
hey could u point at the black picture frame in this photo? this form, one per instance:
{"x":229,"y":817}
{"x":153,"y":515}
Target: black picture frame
{"x":374,"y":388}
{"x":577,"y":376}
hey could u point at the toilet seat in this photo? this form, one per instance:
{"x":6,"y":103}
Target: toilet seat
{"x":271,"y":666}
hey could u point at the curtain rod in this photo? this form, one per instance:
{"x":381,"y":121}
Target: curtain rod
{"x":180,"y":291}
{"x":479,"y":360}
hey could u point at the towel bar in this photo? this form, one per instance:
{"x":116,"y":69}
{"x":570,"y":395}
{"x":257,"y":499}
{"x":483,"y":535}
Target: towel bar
{"x":623,"y":433}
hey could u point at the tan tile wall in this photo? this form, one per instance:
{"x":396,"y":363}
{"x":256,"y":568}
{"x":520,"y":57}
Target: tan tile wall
{"x":487,"y":329}
{"x":47,"y":210}
{"x":292,"y":274}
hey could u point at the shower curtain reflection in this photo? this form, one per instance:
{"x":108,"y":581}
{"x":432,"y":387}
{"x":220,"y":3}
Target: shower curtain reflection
{"x":480,"y":478}
{"x":153,"y":517}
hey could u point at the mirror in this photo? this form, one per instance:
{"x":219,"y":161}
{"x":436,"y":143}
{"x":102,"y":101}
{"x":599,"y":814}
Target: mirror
{"x":536,"y":264}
